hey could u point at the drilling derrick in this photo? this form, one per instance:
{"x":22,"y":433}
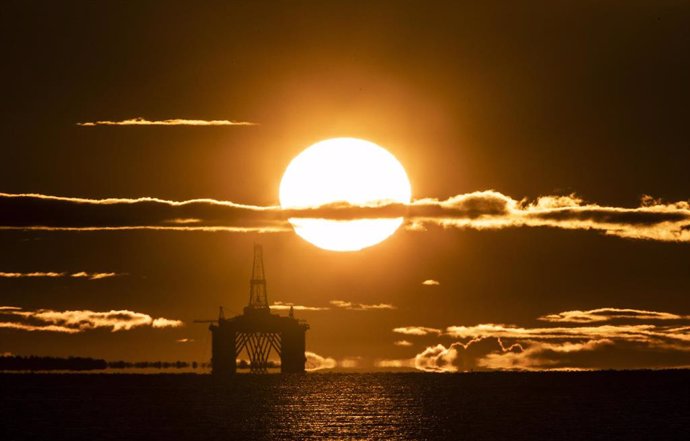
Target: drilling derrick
{"x":257,"y":332}
{"x":258,"y":300}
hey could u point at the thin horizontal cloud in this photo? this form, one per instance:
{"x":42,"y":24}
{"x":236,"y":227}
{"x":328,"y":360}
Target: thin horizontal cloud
{"x":402,"y":343}
{"x":51,"y":274}
{"x":162,"y":322}
{"x":94,"y":276}
{"x":609,"y":314}
{"x":36,"y":274}
{"x":185,"y":340}
{"x":75,"y":321}
{"x":284,"y":306}
{"x":342,"y":304}
{"x":55,"y":213}
{"x":417,"y":330}
{"x":652,"y":220}
{"x":277,"y":229}
{"x":42,"y":327}
{"x":637,"y":339}
{"x":139,"y":121}
{"x":431,"y":282}
{"x":335,"y":305}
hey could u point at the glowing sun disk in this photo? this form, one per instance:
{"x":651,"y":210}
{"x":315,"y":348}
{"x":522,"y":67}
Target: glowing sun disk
{"x":344,"y":170}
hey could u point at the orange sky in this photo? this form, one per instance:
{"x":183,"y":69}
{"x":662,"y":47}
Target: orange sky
{"x":528,"y":101}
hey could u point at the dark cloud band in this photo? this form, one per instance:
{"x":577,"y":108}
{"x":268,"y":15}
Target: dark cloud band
{"x":652,"y":220}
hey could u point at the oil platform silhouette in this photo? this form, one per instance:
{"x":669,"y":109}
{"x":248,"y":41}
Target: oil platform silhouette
{"x":258,"y":332}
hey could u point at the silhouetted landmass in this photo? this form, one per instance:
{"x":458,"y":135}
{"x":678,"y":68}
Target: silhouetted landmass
{"x":38,"y":363}
{"x":34,"y":363}
{"x":152,"y":364}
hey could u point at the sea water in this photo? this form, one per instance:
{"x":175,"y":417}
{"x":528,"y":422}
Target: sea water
{"x":471,"y":406}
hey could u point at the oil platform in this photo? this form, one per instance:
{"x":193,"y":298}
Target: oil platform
{"x":258,"y":332}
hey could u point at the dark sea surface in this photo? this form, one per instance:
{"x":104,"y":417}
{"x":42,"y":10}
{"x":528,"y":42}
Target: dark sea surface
{"x":646,"y":405}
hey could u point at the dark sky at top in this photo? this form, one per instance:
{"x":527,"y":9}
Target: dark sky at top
{"x":528,"y":99}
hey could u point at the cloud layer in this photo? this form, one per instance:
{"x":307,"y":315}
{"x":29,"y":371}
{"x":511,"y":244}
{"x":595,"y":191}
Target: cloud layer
{"x":652,"y":220}
{"x":335,"y":304}
{"x":609,"y":314}
{"x":431,"y":282}
{"x":285,"y":306}
{"x":593,"y":339}
{"x":52,"y":274}
{"x":342,"y":304}
{"x":417,"y":330}
{"x":316,"y":362}
{"x":73,"y":322}
{"x":43,"y":212}
{"x":139,"y":121}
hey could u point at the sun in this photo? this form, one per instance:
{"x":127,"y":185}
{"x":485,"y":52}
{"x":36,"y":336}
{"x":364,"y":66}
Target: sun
{"x":344,"y":170}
